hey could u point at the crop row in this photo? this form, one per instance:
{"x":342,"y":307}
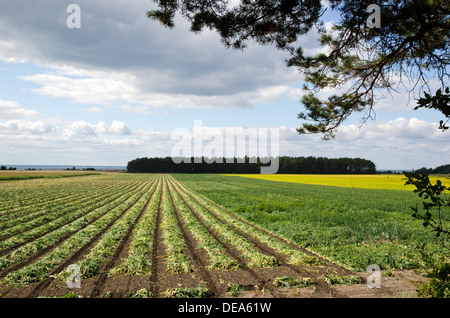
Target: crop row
{"x":294,"y":256}
{"x":113,"y":236}
{"x":16,"y":196}
{"x":44,"y":199}
{"x":349,"y":226}
{"x":177,"y":261}
{"x":137,"y":261}
{"x":57,"y":228}
{"x":218,"y":257}
{"x":74,"y":204}
{"x":227,"y":234}
{"x":79,"y":233}
{"x":135,"y":211}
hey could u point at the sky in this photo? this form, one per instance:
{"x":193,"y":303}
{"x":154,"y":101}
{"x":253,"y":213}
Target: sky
{"x":116,"y":89}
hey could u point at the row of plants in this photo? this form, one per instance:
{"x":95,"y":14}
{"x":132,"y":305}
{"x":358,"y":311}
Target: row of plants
{"x":137,"y":262}
{"x":66,"y":210}
{"x":110,"y":239}
{"x":22,"y":176}
{"x":294,"y":256}
{"x":179,"y":292}
{"x":16,"y":196}
{"x":227,"y":234}
{"x":63,"y":224}
{"x":218,"y":257}
{"x":177,"y":261}
{"x":302,"y":282}
{"x":350,"y":226}
{"x":40,"y":269}
{"x":26,"y":195}
{"x":66,"y":196}
{"x":52,"y":232}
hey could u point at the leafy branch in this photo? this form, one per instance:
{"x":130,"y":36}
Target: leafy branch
{"x":438,"y":200}
{"x":437,"y":267}
{"x":440,"y":102}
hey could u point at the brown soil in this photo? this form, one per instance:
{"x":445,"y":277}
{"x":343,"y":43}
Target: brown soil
{"x":401,"y":285}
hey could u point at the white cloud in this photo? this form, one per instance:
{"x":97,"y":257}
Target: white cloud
{"x":122,"y":91}
{"x":12,"y":110}
{"x":400,"y":129}
{"x":100,"y":88}
{"x":396,"y":144}
{"x":141,"y":109}
{"x":83,"y":128}
{"x":24,"y":126}
{"x":124,"y":142}
{"x":116,"y":128}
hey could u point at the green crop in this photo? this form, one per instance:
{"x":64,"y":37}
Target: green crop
{"x":350,"y":226}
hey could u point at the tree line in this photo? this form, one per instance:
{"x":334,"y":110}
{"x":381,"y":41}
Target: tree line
{"x":10,"y":168}
{"x":287,"y":165}
{"x":444,"y":169}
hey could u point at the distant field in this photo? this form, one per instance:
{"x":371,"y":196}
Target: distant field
{"x":386,"y":182}
{"x":7,"y":175}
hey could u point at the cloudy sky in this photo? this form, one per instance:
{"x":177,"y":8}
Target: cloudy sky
{"x":116,"y":88}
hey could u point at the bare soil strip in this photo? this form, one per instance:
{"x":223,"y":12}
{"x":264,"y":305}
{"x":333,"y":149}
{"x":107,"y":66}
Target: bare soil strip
{"x":157,"y":254}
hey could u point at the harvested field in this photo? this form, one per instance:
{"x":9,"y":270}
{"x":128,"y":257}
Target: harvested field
{"x":151,"y":236}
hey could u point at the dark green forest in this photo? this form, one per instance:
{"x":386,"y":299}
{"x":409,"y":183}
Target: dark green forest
{"x":444,"y":169}
{"x":287,"y":165}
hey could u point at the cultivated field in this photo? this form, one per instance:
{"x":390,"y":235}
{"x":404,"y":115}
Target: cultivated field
{"x":384,"y":181}
{"x":143,"y":235}
{"x":8,"y":175}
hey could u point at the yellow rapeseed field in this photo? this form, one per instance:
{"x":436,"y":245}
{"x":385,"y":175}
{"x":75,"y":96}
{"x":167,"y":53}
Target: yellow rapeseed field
{"x":383,"y":181}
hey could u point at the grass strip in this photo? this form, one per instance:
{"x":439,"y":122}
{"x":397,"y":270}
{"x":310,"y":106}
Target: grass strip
{"x":41,"y":176}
